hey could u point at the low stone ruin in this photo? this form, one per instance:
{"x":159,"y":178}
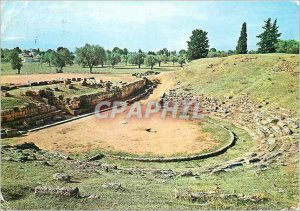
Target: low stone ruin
{"x":147,"y":73}
{"x":56,"y":108}
{"x":27,"y":145}
{"x":205,"y":197}
{"x":62,"y":177}
{"x":64,"y":191}
{"x":269,"y":126}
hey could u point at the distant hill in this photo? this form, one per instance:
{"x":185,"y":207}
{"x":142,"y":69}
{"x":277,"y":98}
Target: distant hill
{"x":271,"y":78}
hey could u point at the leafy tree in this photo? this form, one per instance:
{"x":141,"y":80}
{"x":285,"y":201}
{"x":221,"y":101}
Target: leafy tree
{"x":117,"y":50}
{"x":174,"y":59}
{"x":61,"y":58}
{"x":212,"y":50}
{"x":47,"y":57}
{"x":137,"y":59}
{"x":287,"y":46}
{"x":2,"y":53}
{"x":80,"y":59}
{"x":241,"y":47}
{"x":165,"y":59}
{"x":198,"y":45}
{"x":269,"y":37}
{"x":222,"y":53}
{"x":159,"y":59}
{"x":125,"y":51}
{"x":15,"y":60}
{"x":18,"y":50}
{"x":181,"y":60}
{"x":212,"y":54}
{"x":151,"y":53}
{"x":172,"y":53}
{"x":182,"y":52}
{"x":91,"y":55}
{"x":164,"y":51}
{"x":150,"y":61}
{"x":140,"y":57}
{"x":114,"y":58}
{"x":124,"y":59}
{"x":5,"y":55}
{"x":252,"y":52}
{"x":230,"y":52}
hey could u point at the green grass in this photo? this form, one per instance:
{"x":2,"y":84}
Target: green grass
{"x":38,"y":68}
{"x":279,"y":184}
{"x":10,"y":102}
{"x":229,"y":76}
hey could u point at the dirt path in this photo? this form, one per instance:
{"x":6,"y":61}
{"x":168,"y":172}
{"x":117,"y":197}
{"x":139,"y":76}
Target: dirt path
{"x":155,"y":136}
{"x":167,"y":81}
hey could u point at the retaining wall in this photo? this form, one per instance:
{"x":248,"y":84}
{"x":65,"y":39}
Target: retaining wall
{"x":69,"y":105}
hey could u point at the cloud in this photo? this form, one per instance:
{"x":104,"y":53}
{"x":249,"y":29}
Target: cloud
{"x":297,"y":2}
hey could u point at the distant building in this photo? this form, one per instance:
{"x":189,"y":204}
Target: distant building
{"x":37,"y":58}
{"x":26,"y":57}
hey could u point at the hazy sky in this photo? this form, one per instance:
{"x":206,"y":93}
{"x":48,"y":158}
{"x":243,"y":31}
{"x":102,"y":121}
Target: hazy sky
{"x":147,"y":25}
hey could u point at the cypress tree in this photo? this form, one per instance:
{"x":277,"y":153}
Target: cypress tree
{"x":269,"y":37}
{"x":241,"y":47}
{"x":275,"y":36}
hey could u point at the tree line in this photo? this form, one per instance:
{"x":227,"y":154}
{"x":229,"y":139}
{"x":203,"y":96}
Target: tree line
{"x":269,"y":42}
{"x":198,"y":47}
{"x":91,"y":56}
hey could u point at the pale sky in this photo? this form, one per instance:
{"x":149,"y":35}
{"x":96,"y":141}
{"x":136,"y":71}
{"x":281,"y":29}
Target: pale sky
{"x":147,"y":25}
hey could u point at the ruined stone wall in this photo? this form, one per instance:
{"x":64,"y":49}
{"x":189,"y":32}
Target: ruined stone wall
{"x":130,"y":88}
{"x":26,"y":111}
{"x":115,"y":94}
{"x":25,"y":117}
{"x":69,"y":105}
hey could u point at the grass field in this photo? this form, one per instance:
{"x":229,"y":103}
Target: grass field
{"x":39,"y":68}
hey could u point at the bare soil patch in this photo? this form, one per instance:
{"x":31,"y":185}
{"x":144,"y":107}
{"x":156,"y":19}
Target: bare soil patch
{"x":154,"y":136}
{"x":24,"y":79}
